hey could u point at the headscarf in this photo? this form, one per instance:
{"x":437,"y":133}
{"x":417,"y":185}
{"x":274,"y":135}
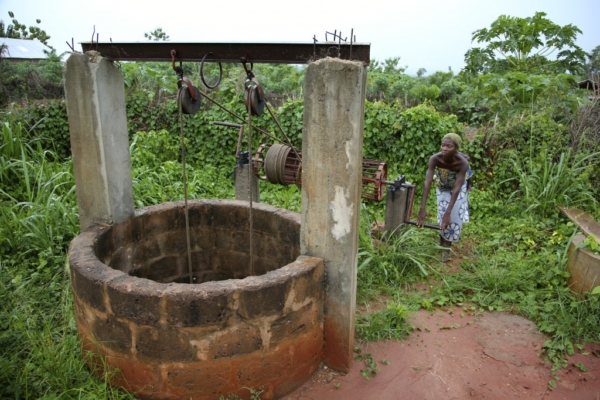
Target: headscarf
{"x":455,"y":138}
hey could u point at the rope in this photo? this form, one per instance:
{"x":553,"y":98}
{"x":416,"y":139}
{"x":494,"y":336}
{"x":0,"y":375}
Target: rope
{"x":185,"y":194}
{"x":238,"y":117}
{"x":275,"y":163}
{"x":289,"y":142}
{"x":250,"y":173}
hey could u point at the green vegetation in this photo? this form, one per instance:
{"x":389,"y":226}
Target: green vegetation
{"x":537,"y":147}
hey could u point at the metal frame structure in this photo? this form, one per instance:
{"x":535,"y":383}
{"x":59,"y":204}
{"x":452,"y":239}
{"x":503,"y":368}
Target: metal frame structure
{"x":266,"y":53}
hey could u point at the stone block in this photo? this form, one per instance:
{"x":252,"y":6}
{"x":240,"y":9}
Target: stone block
{"x":188,"y":307}
{"x":113,"y":334}
{"x":145,"y":250}
{"x":88,"y":282}
{"x":236,"y":341}
{"x":263,"y":300}
{"x":165,"y":344}
{"x":160,"y":269}
{"x":162,"y":218}
{"x":173,"y":243}
{"x":135,"y":299}
{"x":197,"y":380}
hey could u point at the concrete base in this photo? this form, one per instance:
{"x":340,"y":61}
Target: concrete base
{"x":395,"y":208}
{"x":241,"y":177}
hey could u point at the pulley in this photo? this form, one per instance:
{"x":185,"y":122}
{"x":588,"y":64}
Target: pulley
{"x":253,"y":93}
{"x":189,"y":98}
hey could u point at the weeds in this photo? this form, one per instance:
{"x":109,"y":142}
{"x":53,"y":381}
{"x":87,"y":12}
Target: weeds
{"x":546,"y":184}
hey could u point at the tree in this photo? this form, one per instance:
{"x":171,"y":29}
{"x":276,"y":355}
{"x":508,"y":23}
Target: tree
{"x":525,"y":45}
{"x":21,"y":31}
{"x":157,"y":35}
{"x":592,"y":67}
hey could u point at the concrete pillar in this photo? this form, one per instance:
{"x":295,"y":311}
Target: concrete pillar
{"x":395,"y":208}
{"x":95,"y":96}
{"x":334,"y":106}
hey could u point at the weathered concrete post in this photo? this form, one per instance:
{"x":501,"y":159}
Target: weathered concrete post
{"x":334,"y":105}
{"x":95,"y":95}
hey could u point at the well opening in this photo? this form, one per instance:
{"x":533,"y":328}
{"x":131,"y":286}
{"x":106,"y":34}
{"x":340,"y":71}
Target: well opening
{"x":153,"y":245}
{"x":236,"y":328}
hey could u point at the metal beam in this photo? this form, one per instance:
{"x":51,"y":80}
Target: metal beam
{"x":269,"y":53}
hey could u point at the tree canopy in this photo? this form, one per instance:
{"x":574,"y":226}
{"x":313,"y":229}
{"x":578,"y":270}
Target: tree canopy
{"x":17,"y":30}
{"x":525,"y":45}
{"x":157,"y":35}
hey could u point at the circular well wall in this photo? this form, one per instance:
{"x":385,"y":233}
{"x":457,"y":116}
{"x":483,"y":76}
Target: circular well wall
{"x":235,"y":328}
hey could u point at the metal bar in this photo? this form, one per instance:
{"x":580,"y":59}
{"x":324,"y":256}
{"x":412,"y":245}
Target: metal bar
{"x":268,"y":53}
{"x":411,"y":200}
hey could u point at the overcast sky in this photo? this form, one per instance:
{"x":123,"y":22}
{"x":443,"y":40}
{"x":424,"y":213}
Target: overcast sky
{"x":430,"y":34}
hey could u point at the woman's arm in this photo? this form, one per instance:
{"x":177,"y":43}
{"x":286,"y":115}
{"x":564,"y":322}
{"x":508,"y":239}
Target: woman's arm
{"x":428,"y":181}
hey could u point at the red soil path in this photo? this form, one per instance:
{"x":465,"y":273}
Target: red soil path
{"x":453,"y":356}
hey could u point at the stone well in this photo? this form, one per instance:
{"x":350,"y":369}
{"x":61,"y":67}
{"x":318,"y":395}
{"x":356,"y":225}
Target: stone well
{"x":170,"y":339}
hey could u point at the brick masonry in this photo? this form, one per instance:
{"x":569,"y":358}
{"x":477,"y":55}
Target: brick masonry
{"x":176,"y":340}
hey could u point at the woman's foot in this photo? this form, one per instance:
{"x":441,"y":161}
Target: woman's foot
{"x":446,"y":255}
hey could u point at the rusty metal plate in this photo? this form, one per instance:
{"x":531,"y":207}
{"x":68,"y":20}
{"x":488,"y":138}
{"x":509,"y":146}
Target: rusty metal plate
{"x":268,"y":53}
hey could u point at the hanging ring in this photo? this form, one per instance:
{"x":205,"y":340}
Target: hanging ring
{"x":202,"y":73}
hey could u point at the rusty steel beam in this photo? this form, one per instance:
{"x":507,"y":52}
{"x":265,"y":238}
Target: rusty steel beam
{"x":268,"y":53}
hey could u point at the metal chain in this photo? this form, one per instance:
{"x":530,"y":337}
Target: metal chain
{"x":250,"y":173}
{"x":185,"y":194}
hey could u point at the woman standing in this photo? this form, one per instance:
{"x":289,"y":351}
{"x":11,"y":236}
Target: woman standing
{"x":450,"y":169}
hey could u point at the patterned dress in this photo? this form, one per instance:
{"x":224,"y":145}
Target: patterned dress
{"x":444,"y":181}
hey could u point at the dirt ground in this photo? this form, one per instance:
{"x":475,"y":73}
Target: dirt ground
{"x":457,"y":355}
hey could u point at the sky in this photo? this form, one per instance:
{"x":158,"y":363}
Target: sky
{"x":430,"y":34}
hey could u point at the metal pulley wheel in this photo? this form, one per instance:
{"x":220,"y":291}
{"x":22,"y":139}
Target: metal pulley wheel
{"x":275,"y":163}
{"x":253,"y":97}
{"x":189,"y":105}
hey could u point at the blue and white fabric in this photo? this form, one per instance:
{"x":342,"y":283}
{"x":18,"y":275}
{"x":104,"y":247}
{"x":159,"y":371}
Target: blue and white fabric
{"x":445,"y":180}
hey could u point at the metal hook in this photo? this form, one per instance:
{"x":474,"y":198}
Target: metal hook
{"x":202,"y":73}
{"x":249,"y":73}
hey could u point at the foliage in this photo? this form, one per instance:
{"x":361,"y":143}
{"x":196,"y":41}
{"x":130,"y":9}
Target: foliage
{"x":20,"y":31}
{"x":515,"y":93}
{"x":156,"y":35}
{"x":524,"y":45}
{"x":389,"y":323}
{"x":592,"y":67}
{"x":545,"y":184}
{"x":25,"y":81}
{"x":46,"y":123}
{"x":393,"y":259}
{"x":590,"y":243}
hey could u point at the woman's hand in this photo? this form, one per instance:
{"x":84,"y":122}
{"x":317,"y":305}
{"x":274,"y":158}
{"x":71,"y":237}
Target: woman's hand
{"x":421,"y":218}
{"x":445,"y":221}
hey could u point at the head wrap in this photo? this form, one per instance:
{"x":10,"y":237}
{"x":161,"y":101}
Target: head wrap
{"x":455,"y":138}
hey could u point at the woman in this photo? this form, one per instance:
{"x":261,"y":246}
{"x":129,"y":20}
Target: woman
{"x":450,"y":169}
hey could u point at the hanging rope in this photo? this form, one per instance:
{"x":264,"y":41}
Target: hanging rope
{"x":184,"y":175}
{"x":250,"y":176}
{"x":275,"y":163}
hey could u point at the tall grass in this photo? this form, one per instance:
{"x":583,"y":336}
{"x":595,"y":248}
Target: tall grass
{"x":40,"y":355}
{"x":545,"y":184}
{"x":392,"y":260}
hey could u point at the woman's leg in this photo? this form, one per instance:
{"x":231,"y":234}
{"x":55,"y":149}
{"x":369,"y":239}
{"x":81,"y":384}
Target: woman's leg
{"x":446,"y":252}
